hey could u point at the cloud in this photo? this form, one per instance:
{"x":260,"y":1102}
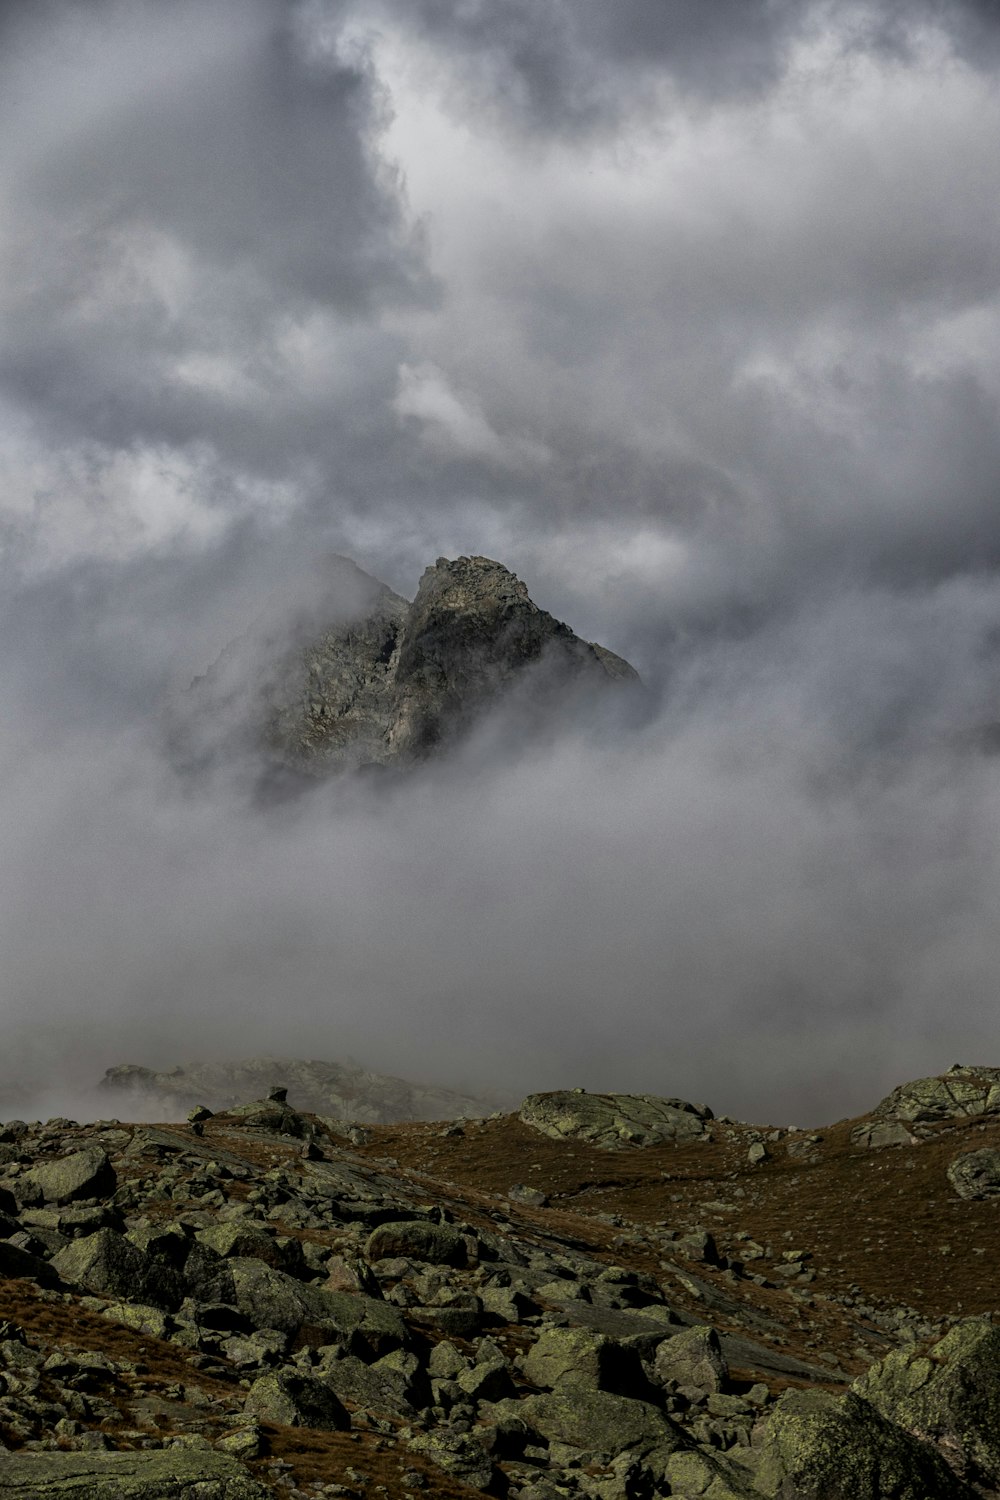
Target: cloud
{"x":689,"y":314}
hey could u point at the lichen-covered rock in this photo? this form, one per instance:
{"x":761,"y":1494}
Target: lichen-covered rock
{"x":140,"y":1317}
{"x":417,"y":1240}
{"x":394,"y":1383}
{"x":951,"y":1395}
{"x":565,"y":1357}
{"x":82,"y":1174}
{"x":692,"y":1358}
{"x":598,"y":1421}
{"x":457,"y":1453}
{"x":108,"y":1263}
{"x":976,"y":1174}
{"x":240,"y":1239}
{"x":701,"y":1474}
{"x":879,"y":1133}
{"x":173,"y":1474}
{"x":270,"y":1299}
{"x":958,"y":1094}
{"x":294,"y":1399}
{"x":614,"y":1121}
{"x":824,"y":1447}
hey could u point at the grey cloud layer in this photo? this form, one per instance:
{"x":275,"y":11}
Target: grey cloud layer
{"x":690,"y":313}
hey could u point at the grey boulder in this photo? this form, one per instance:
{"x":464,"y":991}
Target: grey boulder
{"x":168,"y":1474}
{"x":614,"y":1121}
{"x":976,"y":1174}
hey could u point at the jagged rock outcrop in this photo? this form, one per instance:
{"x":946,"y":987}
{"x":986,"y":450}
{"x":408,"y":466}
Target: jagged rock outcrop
{"x":914,"y":1108}
{"x":976,"y":1174}
{"x":342,"y":1091}
{"x":614,"y":1121}
{"x":384,"y":682}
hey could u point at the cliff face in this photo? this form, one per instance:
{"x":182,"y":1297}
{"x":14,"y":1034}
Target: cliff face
{"x":404,"y":679}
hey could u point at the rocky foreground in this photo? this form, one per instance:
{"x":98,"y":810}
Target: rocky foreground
{"x":600,"y":1296}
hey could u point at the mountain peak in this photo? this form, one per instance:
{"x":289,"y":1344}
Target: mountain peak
{"x":386,"y":682}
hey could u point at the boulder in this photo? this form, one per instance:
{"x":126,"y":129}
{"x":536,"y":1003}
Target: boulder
{"x":270,"y":1299}
{"x":108,"y":1263}
{"x":692,"y":1358}
{"x":596,"y":1421}
{"x":976,"y":1174}
{"x":818,"y":1446}
{"x":139,"y":1317}
{"x":561,"y":1358}
{"x":15,"y":1262}
{"x":238,"y":1238}
{"x":293,"y":1399}
{"x":271,"y":1115}
{"x":614,"y":1121}
{"x":169,"y":1474}
{"x":414,"y":1239}
{"x":394,"y":1383}
{"x":458,"y":1454}
{"x":704,"y":1473}
{"x":878,"y":1133}
{"x":961,"y":1093}
{"x":951,"y":1395}
{"x":82,"y":1174}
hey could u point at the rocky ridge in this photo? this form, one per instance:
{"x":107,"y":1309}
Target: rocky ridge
{"x":602,"y":1296}
{"x":338,"y":1090}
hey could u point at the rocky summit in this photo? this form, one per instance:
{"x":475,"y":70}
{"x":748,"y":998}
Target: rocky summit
{"x":598,"y":1297}
{"x":370,"y":679}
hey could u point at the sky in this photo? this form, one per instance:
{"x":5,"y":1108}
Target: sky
{"x":689,"y":314}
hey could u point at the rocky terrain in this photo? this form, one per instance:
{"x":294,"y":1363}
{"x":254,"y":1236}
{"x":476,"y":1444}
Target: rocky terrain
{"x":368,"y":679}
{"x":597,"y":1296}
{"x":343,"y":1090}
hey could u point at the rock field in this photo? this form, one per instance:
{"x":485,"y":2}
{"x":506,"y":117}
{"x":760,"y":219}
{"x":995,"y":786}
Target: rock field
{"x":601,"y":1296}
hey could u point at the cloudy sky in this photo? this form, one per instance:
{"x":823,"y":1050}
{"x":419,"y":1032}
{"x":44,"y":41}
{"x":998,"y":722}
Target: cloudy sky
{"x":690,"y":314}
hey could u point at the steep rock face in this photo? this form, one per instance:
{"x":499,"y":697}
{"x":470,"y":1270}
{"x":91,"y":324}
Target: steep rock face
{"x":330,"y":704}
{"x":401,"y":680}
{"x":471,"y":632}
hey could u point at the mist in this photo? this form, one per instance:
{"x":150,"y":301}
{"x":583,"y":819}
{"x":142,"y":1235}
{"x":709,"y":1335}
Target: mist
{"x":693,"y":324}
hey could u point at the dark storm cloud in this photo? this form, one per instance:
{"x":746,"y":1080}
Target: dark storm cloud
{"x":582,"y":65}
{"x":196,"y":186}
{"x":690,"y":313}
{"x":579,"y":65}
